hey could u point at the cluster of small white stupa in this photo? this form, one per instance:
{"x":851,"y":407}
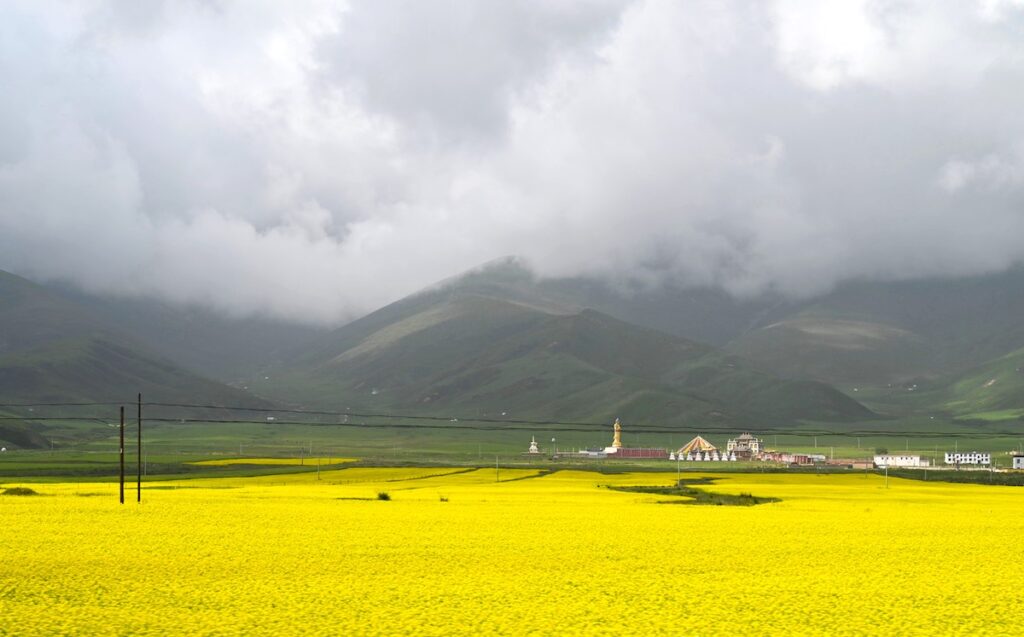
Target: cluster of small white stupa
{"x":707,"y":456}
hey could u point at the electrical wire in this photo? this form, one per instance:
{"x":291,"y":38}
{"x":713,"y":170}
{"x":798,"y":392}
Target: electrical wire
{"x":424,"y":421}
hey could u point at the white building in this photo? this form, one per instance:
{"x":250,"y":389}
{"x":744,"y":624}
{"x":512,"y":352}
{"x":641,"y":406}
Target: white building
{"x":969,"y":457}
{"x":893,"y":460}
{"x":745,"y":445}
{"x":1018,"y":462}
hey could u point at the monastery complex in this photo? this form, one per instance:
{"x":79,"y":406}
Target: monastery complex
{"x":747,"y":447}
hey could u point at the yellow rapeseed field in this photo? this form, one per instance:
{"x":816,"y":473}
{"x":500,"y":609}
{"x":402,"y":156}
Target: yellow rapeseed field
{"x":308,"y":462}
{"x":533,"y":554}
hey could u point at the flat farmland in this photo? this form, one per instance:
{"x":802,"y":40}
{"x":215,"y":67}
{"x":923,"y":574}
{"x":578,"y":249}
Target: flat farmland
{"x":480,"y":551}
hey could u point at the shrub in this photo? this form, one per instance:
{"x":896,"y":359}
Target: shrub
{"x":383,"y":495}
{"x":19,"y":491}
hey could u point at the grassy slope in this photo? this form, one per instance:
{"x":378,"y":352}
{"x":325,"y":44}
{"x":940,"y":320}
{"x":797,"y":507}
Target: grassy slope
{"x":97,"y":369}
{"x":202,"y":341}
{"x":54,"y":350}
{"x":839,"y":350}
{"x":994,"y":391}
{"x":879,"y":333}
{"x":32,"y":317}
{"x":21,"y":434}
{"x":460,"y":352}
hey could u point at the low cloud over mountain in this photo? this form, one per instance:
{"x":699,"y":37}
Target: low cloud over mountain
{"x":312,"y":161}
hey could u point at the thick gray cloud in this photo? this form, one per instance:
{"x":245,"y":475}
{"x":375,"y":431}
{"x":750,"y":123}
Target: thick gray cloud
{"x":314,"y":160}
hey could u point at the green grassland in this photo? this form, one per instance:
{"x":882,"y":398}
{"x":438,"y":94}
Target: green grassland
{"x":88,"y":450}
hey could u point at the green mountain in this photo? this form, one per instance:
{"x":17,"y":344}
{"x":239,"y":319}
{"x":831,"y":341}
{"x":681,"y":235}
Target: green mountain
{"x":229,"y":349}
{"x":879,"y":333}
{"x":838,"y":350}
{"x":55,"y":350}
{"x":862,"y":333}
{"x":993,"y":391}
{"x":907,"y":347}
{"x":492,"y":344}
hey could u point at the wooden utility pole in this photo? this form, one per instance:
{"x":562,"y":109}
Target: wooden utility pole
{"x":138,"y":471}
{"x":122,"y":454}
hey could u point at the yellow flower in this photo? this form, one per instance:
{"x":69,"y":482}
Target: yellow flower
{"x":533,"y":554}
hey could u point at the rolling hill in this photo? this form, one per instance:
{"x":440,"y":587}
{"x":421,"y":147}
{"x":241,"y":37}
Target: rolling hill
{"x":863,"y":332}
{"x":993,"y":391}
{"x":897,"y":332}
{"x":229,"y":349}
{"x":490,"y":344}
{"x":837,"y":350}
{"x":55,"y":350}
{"x":935,"y":335}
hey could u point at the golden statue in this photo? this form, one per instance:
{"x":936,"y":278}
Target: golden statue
{"x":617,"y":441}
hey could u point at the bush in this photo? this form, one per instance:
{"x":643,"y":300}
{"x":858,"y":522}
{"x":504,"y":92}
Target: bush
{"x":444,"y":498}
{"x":19,"y":491}
{"x":383,"y":495}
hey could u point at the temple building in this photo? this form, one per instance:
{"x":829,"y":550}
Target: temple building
{"x":745,"y":446}
{"x":700,"y":450}
{"x":696,"y":446}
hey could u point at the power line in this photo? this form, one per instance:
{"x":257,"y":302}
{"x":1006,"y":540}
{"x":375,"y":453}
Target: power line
{"x":114,"y":404}
{"x":352,"y":414}
{"x":517,"y":426}
{"x":556,"y":423}
{"x":506,"y":424}
{"x":57,"y":418}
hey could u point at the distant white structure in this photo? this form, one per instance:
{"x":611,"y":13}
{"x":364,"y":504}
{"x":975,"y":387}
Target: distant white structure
{"x":1018,"y":462}
{"x":533,"y":445}
{"x":969,"y":457}
{"x":892,"y":460}
{"x":745,"y":445}
{"x":707,"y":456}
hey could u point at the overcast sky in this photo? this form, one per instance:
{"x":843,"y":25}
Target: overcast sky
{"x":314,"y":160}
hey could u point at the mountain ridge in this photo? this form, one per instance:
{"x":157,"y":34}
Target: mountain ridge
{"x":55,"y":350}
{"x":461,"y":347}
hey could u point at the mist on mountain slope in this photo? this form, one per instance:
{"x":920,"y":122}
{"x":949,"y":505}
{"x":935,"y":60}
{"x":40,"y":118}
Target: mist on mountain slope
{"x":312,"y":161}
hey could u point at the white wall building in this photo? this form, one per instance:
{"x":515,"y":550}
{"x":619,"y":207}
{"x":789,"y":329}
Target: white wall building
{"x":969,"y":457}
{"x":893,"y":460}
{"x":745,"y":445}
{"x":1018,"y":462}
